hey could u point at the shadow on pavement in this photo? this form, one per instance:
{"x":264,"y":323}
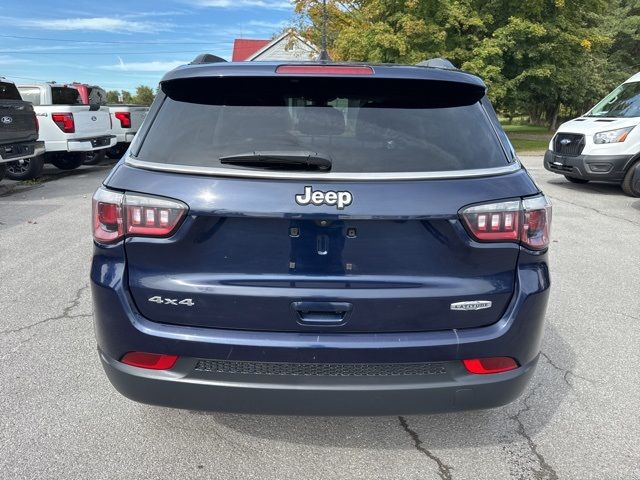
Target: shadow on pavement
{"x":441,"y":431}
{"x":10,"y":190}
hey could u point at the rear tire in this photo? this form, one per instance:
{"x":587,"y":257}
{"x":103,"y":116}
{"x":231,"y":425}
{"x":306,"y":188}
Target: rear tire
{"x":67,"y":161}
{"x":27,"y":169}
{"x":576,"y":180}
{"x":94,"y":158}
{"x":3,"y":169}
{"x":627,"y":182}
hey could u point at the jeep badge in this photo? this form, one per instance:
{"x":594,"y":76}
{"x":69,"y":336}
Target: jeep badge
{"x":330,"y":197}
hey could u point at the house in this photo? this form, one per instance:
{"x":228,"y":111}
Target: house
{"x":288,"y":46}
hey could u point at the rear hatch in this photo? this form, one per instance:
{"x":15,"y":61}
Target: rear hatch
{"x":90,"y":121}
{"x":17,"y":120}
{"x":273,"y":242}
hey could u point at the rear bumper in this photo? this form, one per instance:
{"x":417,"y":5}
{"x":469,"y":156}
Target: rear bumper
{"x":91,"y":144}
{"x":125,"y":137}
{"x":608,"y":168}
{"x":20,"y":151}
{"x":120,"y":328}
{"x":451,"y":388}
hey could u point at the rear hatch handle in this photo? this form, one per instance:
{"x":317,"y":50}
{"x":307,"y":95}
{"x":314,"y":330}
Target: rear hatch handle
{"x":330,"y":314}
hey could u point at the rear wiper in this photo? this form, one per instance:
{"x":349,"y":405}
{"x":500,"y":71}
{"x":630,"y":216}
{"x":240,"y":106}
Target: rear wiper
{"x":280,"y":160}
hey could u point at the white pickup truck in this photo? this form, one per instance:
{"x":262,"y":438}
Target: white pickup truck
{"x":68,"y":128}
{"x":126,"y":119}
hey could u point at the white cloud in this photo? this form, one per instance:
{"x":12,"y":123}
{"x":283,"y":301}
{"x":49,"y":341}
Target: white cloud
{"x":155,"y":13}
{"x":153,"y":66}
{"x":102,"y":24}
{"x":267,"y":25}
{"x":7,"y":60}
{"x":237,"y":4}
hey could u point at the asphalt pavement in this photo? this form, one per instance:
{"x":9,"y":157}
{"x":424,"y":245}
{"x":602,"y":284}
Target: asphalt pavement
{"x":60,"y":417}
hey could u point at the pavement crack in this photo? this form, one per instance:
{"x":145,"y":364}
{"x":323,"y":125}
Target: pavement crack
{"x":444,"y":470}
{"x":626,"y":315}
{"x":566,"y":373}
{"x":546,"y":471}
{"x":65,"y":314}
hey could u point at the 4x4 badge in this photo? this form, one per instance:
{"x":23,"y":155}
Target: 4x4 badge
{"x":340,"y":199}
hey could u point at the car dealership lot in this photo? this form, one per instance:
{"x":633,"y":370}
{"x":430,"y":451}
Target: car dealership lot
{"x":62,"y":419}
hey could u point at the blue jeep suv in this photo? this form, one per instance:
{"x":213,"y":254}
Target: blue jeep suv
{"x":320,"y":238}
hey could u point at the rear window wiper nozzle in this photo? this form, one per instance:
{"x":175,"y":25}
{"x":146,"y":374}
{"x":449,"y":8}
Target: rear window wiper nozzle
{"x":280,"y":160}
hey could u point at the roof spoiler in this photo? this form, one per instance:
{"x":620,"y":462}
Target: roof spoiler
{"x":206,"y":58}
{"x":437,"y":63}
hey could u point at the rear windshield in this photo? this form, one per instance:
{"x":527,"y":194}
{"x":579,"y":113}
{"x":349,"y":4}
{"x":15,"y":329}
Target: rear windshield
{"x":624,"y":101}
{"x":8,"y":91}
{"x":361,"y":126}
{"x":65,"y":96}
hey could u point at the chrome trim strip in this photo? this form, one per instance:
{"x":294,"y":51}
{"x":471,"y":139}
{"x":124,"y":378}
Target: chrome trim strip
{"x":329,"y":176}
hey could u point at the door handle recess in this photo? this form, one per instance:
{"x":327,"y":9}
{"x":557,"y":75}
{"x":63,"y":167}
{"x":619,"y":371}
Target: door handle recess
{"x":322,"y":313}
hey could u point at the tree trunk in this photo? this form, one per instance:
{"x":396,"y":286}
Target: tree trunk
{"x":554,"y":117}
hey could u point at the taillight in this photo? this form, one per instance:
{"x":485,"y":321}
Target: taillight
{"x":483,"y":366}
{"x":125,"y":119}
{"x":64,"y":121}
{"x":35,"y":119}
{"x":151,"y":361}
{"x":536,"y":225}
{"x":107,"y":216}
{"x":116,"y":215}
{"x":525,"y":221}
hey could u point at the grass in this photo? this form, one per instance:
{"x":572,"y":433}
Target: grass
{"x":527,"y":138}
{"x":33,"y":181}
{"x":523,"y":145}
{"x":525,"y":129}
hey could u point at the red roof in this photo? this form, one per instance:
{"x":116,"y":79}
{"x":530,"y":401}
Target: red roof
{"x":243,"y":49}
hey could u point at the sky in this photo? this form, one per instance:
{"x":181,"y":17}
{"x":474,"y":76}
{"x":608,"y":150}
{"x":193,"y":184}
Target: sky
{"x":121,"y":44}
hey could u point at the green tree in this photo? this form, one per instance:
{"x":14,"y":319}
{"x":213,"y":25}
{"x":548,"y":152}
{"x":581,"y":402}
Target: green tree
{"x":144,"y":95}
{"x":623,"y":24}
{"x":541,"y":58}
{"x":112,"y":96}
{"x":126,"y":96}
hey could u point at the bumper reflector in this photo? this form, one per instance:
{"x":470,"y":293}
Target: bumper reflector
{"x":481,"y":366}
{"x":152,"y":361}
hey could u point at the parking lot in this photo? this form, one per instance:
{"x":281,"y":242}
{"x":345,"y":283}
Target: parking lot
{"x":579,"y":418}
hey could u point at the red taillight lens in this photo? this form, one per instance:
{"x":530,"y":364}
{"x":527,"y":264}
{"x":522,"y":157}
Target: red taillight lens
{"x":536,"y":226}
{"x":482,"y":366}
{"x":125,"y":119}
{"x":152,"y":361}
{"x":525,"y":221}
{"x":116,"y":215}
{"x":495,"y":221}
{"x":325,"y":69}
{"x":152,"y":216}
{"x":108,"y":226}
{"x":64,"y":121}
